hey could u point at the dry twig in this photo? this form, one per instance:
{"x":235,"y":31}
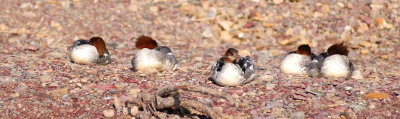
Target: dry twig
{"x":168,"y":97}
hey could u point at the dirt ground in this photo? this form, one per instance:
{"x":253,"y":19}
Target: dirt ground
{"x":37,"y":80}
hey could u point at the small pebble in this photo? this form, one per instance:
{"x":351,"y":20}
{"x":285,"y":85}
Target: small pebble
{"x":244,"y":53}
{"x":108,"y":113}
{"x":298,"y":115}
{"x":84,"y":80}
{"x":270,"y":86}
{"x":277,"y":1}
{"x":235,"y":96}
{"x":226,"y":25}
{"x":386,"y":57}
{"x":134,"y":110}
{"x":134,"y":92}
{"x":15,"y":95}
{"x":274,"y":52}
{"x":19,"y":105}
{"x":117,"y":103}
{"x":207,"y":34}
{"x":357,"y":75}
{"x":364,"y":51}
{"x":376,"y":95}
{"x":125,"y":111}
{"x":45,"y":78}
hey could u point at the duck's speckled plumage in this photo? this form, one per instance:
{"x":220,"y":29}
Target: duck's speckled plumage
{"x":233,"y":73}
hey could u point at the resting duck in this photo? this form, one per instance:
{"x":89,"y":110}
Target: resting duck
{"x":300,"y":62}
{"x":232,"y":69}
{"x":93,"y":51}
{"x":335,"y":62}
{"x":152,"y":58}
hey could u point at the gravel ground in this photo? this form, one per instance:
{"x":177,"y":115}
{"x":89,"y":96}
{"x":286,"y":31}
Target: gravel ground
{"x":37,"y":80}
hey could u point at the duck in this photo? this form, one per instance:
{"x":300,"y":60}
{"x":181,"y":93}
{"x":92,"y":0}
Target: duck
{"x":152,"y":58}
{"x":336,"y":63}
{"x":232,"y":69}
{"x":91,"y":51}
{"x":300,"y":62}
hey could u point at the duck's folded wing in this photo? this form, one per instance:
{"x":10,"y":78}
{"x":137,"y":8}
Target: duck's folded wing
{"x":321,"y":56}
{"x":314,"y":67}
{"x":104,"y":59}
{"x":77,"y":43}
{"x":351,"y":69}
{"x":216,"y":68}
{"x":170,"y":61}
{"x":249,"y":68}
{"x":133,"y":63}
{"x":315,"y":64}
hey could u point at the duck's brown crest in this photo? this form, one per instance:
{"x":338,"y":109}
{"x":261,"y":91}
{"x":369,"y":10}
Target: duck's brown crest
{"x":304,"y":50}
{"x":338,"y":48}
{"x":145,"y":42}
{"x":231,"y":55}
{"x":99,"y":43}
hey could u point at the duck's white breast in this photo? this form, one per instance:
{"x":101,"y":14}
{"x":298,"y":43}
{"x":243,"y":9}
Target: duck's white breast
{"x":335,"y":66}
{"x":146,"y":60}
{"x":294,"y":64}
{"x":84,"y":54}
{"x":230,"y":75}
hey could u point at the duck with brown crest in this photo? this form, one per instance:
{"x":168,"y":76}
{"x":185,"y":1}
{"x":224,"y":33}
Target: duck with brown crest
{"x":152,"y":58}
{"x":336,"y":63}
{"x":93,"y":51}
{"x":298,"y":62}
{"x":232,"y":69}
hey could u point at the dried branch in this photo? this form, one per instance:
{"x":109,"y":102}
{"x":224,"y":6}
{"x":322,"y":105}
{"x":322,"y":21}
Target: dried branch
{"x":168,"y":97}
{"x":212,"y":92}
{"x":199,"y":108}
